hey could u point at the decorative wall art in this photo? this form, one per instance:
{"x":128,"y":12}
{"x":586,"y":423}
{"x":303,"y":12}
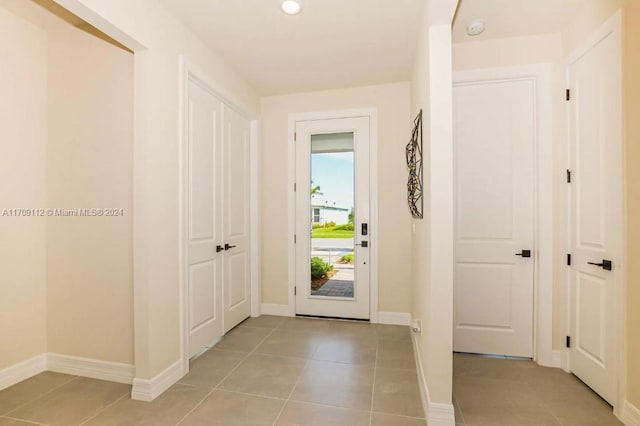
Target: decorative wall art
{"x":414,"y":163}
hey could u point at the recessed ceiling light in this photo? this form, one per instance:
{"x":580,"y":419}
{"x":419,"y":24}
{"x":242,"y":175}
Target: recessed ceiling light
{"x":291,"y":7}
{"x":475,"y":27}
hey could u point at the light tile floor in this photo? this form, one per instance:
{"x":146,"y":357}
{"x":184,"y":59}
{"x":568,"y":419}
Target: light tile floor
{"x":268,"y":371}
{"x":298,"y":371}
{"x":492,"y":391}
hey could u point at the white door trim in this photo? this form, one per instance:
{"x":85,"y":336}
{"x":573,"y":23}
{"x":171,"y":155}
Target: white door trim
{"x":372,"y":114}
{"x":611,"y":25}
{"x":540,"y":74}
{"x":187,"y":71}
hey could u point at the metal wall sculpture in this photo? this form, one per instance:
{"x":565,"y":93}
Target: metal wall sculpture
{"x":414,"y":163}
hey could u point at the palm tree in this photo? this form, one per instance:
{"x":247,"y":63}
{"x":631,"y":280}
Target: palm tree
{"x":315,"y":189}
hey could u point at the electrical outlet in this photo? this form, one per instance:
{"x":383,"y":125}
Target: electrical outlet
{"x":416,"y":326}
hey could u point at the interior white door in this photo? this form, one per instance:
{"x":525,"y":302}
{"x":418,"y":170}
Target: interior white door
{"x":204,"y":228}
{"x":237,"y":278}
{"x":596,"y":201}
{"x":494,"y":137}
{"x":339,"y":297}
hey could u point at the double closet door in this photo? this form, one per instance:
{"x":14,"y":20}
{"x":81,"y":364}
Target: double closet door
{"x":218,"y":226}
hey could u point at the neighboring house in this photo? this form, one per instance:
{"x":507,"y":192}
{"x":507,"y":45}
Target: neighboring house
{"x":323,"y":211}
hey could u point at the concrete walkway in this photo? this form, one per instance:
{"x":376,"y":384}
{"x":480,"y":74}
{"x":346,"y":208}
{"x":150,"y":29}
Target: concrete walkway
{"x":340,"y":285}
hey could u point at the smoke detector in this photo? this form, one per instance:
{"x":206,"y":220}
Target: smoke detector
{"x":475,"y":27}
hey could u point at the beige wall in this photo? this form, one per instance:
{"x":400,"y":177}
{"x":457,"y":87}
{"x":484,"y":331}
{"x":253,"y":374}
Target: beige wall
{"x":392,"y":104}
{"x":631,"y":69}
{"x":537,"y":49}
{"x":67,"y":113}
{"x":23,"y":122}
{"x":160,"y":40}
{"x":89,"y":165}
{"x":590,"y":16}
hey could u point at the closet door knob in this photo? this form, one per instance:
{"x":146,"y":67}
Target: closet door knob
{"x":607,"y":265}
{"x":228,"y":247}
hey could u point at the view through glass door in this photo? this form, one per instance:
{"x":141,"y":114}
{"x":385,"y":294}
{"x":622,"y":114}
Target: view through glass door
{"x":332,"y":208}
{"x":332,"y":248}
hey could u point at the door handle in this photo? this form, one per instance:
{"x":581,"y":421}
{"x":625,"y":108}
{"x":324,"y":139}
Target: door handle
{"x":228,"y":247}
{"x":607,"y":265}
{"x":363,"y":244}
{"x":219,"y":249}
{"x":524,"y":253}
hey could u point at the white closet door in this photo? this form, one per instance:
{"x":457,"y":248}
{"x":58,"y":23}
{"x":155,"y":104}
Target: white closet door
{"x":204,"y":230}
{"x":237,"y":278}
{"x":494,"y":223}
{"x":596,"y":207}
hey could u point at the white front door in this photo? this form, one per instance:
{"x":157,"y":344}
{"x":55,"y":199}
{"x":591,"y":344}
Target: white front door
{"x":204,"y":210}
{"x":237,"y":278}
{"x":494,"y":139}
{"x":596,"y":205}
{"x":333,"y":218}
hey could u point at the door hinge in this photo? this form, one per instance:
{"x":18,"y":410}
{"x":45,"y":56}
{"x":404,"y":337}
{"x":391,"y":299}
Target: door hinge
{"x":568,"y":95}
{"x":568,"y":343}
{"x":295,"y":238}
{"x":295,"y":187}
{"x":295,"y":291}
{"x":295,"y":136}
{"x":569,"y":259}
{"x":568,"y":176}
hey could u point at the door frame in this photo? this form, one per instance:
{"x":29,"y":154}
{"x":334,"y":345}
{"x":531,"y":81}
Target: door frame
{"x":372,"y":114}
{"x":540,"y":75}
{"x":612,"y":25}
{"x":189,"y":71}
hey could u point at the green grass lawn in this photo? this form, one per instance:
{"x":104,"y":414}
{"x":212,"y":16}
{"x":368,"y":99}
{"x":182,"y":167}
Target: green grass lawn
{"x":331,"y":232}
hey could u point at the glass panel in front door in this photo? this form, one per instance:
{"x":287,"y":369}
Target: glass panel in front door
{"x":332,"y":215}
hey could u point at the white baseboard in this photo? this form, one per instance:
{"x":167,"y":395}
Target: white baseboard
{"x":437,"y":414}
{"x":630,"y":415}
{"x":22,"y":371}
{"x":394,"y":318}
{"x":556,"y":360}
{"x":274,"y":309}
{"x":93,"y":368}
{"x":148,"y":390}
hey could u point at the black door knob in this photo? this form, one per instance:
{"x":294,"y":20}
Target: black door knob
{"x":607,"y":265}
{"x":219,"y":249}
{"x":228,"y":247}
{"x":524,"y":253}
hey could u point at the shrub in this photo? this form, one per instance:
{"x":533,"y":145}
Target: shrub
{"x":347,"y":258}
{"x":345,"y":227}
{"x":316,"y":225}
{"x":329,"y":224}
{"x":319,"y":268}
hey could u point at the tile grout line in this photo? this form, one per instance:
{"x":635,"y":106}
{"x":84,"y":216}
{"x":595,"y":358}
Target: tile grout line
{"x":249,"y":394}
{"x":217,"y":386}
{"x":73,"y":379}
{"x":22,"y":420}
{"x":307,"y":362}
{"x":104,"y":408}
{"x":457,"y":403}
{"x":292,"y":391}
{"x":375,"y":370}
{"x":399,"y":415}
